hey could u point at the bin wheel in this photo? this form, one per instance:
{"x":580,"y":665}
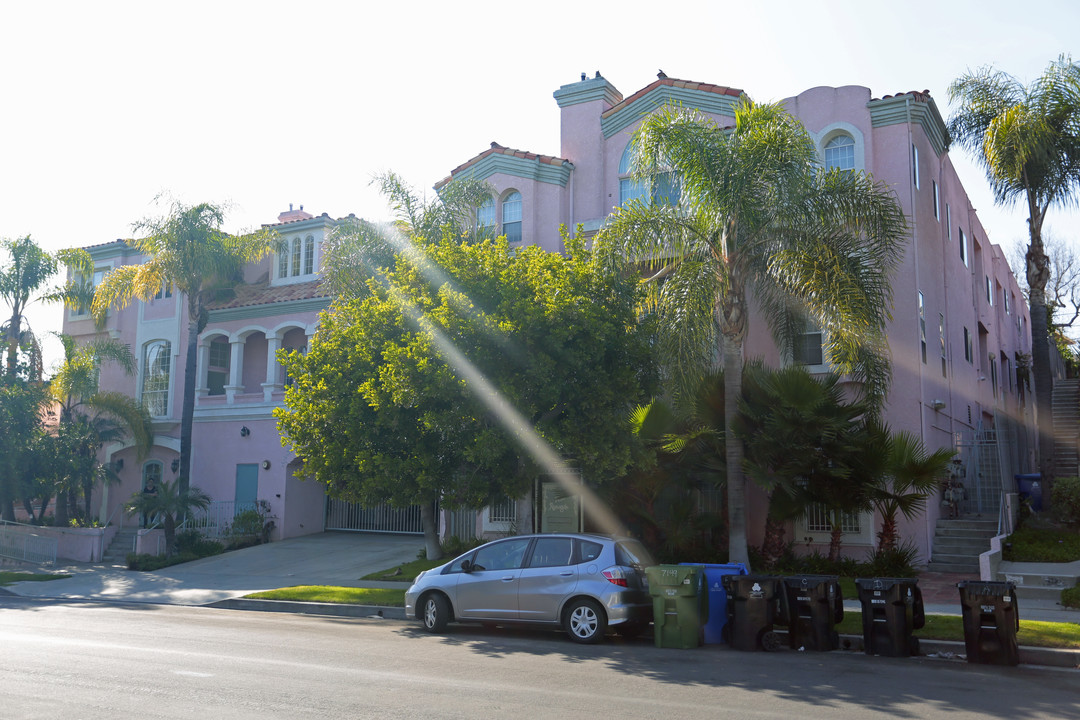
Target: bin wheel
{"x":771,"y":642}
{"x":726,"y":632}
{"x":915,"y":646}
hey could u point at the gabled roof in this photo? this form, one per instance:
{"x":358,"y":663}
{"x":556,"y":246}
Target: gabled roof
{"x":519,"y":163}
{"x":715,"y":99}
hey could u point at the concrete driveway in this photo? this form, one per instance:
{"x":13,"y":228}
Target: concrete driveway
{"x":323,"y":559}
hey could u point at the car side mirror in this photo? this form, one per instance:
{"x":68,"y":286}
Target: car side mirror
{"x":466,"y":566}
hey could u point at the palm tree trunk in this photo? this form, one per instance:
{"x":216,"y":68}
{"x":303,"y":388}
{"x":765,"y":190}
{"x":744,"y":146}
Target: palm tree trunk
{"x":1038,"y":274}
{"x":887,"y":536}
{"x":12,"y":340}
{"x":772,"y":547}
{"x":835,"y":538}
{"x":738,"y":551}
{"x":187,"y":413}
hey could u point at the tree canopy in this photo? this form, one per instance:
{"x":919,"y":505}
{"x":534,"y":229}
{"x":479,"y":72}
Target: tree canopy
{"x":386,"y":405}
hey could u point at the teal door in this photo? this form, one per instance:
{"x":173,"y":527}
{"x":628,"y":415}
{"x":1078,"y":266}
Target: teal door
{"x":247,"y":487}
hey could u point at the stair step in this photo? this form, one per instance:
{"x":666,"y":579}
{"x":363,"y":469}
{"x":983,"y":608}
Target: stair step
{"x":949,"y":567}
{"x":975,"y":546}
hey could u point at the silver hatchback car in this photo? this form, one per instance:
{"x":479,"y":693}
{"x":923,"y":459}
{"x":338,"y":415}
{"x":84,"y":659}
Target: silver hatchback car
{"x":582,"y":583}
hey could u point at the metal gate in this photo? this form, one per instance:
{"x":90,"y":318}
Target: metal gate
{"x":984,"y":475}
{"x":341,"y":515}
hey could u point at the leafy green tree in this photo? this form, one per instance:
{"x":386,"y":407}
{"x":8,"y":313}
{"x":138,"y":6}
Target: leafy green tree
{"x":20,"y":432}
{"x":187,"y":249}
{"x":170,"y":503}
{"x":388,"y":405}
{"x":1027,"y":139}
{"x":756,"y":215}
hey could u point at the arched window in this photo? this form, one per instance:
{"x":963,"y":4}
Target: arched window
{"x":309,"y":254}
{"x":157,"y":363}
{"x":664,"y":186}
{"x":295,"y":257}
{"x":840,"y":153}
{"x":511,"y":217}
{"x":485,"y":217}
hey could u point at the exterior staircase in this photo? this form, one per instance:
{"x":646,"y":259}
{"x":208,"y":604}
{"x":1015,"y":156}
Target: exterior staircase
{"x":121,"y":545}
{"x":958,"y":544}
{"x":1065,"y":407}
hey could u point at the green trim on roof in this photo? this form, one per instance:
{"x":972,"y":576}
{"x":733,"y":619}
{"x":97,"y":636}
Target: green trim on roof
{"x":587,"y":91}
{"x":112,"y":250}
{"x":497,"y":162}
{"x":894,"y":111}
{"x":301,"y":225}
{"x":664,"y":94}
{"x":288,"y":307}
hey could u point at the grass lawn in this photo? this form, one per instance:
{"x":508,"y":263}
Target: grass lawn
{"x":406,"y":572}
{"x":1042,"y":545}
{"x":330,"y":594}
{"x":951,"y":627}
{"x":7,"y":577}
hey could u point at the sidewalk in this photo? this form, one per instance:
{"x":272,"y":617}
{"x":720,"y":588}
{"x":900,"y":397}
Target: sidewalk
{"x":323,"y":559}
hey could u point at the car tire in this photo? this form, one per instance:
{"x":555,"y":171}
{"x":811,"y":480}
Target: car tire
{"x":584,"y":621}
{"x":436,"y":613}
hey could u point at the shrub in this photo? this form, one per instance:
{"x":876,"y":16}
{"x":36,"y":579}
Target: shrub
{"x":1065,"y":499}
{"x":192,"y":541}
{"x":899,"y":562}
{"x":1042,"y":545}
{"x":1071,"y":597}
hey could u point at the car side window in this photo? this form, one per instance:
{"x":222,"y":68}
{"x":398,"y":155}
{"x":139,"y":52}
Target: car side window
{"x":505,"y":555}
{"x":588,"y":550}
{"x":455,"y":567}
{"x":552,"y":552}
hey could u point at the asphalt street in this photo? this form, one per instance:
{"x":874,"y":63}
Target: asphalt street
{"x":97,"y":660}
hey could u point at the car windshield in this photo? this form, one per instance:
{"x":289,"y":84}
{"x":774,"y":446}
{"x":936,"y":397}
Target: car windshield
{"x":633,"y":553}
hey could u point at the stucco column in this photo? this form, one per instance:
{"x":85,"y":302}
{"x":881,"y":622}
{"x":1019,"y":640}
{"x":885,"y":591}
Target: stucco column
{"x":202,"y":366}
{"x":236,"y":370}
{"x":273,"y":368}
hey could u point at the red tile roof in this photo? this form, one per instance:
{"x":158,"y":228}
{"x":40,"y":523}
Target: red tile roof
{"x":496,"y":148}
{"x":923,"y":96}
{"x":688,"y":84}
{"x":264,"y":294}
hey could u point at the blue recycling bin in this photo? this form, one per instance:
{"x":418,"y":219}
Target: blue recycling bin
{"x":1030,"y":488}
{"x":717,"y":598}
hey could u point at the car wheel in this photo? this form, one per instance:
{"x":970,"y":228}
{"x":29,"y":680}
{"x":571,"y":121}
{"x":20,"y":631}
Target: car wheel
{"x":436,"y":613}
{"x":585,"y":621}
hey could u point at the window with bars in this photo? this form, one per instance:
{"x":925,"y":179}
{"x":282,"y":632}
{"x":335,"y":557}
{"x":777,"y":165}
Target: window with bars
{"x":503,"y":511}
{"x":818,"y":520}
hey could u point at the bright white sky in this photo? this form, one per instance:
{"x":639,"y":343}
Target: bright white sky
{"x":262,"y":104}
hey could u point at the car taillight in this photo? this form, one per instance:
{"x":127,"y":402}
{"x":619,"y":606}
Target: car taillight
{"x":616,"y":576}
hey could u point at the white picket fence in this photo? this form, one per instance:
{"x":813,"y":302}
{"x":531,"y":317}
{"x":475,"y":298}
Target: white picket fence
{"x":19,"y":541}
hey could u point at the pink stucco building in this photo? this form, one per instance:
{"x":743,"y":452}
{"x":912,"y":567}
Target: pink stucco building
{"x":960,"y":327}
{"x":959,"y":333}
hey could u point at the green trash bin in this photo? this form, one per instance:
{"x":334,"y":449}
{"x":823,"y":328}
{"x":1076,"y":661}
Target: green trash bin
{"x":680,"y":605}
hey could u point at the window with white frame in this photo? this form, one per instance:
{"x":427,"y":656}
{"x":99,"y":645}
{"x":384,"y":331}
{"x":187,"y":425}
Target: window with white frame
{"x":941,"y":338}
{"x":969,"y":349}
{"x":807,"y":348}
{"x":92,"y":280}
{"x":915,"y":165}
{"x":157,"y":365}
{"x":151,"y":475}
{"x":948,"y":222}
{"x":297,"y":258}
{"x":989,"y":292}
{"x":485,"y":217}
{"x":165,"y":291}
{"x":840,"y":153}
{"x":937,"y":211}
{"x":816,"y":525}
{"x":511,"y":217}
{"x":963,"y":247}
{"x":663,"y":189}
{"x":922,"y":327}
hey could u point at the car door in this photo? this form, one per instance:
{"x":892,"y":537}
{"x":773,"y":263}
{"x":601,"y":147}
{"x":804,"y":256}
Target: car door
{"x":547,"y":579}
{"x":489,"y":590}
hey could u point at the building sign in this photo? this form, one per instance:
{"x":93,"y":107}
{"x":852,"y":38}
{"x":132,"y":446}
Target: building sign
{"x":561,"y":511}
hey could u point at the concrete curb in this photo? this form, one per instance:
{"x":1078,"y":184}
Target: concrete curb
{"x":1049,"y":657}
{"x":311,"y":608}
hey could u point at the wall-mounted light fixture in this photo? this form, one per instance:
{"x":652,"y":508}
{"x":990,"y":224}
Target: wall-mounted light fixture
{"x":938,"y":404}
{"x":244,"y":432}
{"x":175,"y":464}
{"x":266,"y":464}
{"x":118,"y":464}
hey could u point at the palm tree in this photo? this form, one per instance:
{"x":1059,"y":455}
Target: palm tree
{"x":187,"y":249}
{"x":169,"y":502}
{"x":89,"y":418}
{"x":756,"y":214}
{"x":1027,"y":139}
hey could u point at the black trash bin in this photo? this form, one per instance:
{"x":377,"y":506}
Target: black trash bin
{"x":892,"y":608}
{"x":753,"y":606}
{"x":814,"y":606}
{"x":991,"y":619}
{"x":1029,"y":487}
